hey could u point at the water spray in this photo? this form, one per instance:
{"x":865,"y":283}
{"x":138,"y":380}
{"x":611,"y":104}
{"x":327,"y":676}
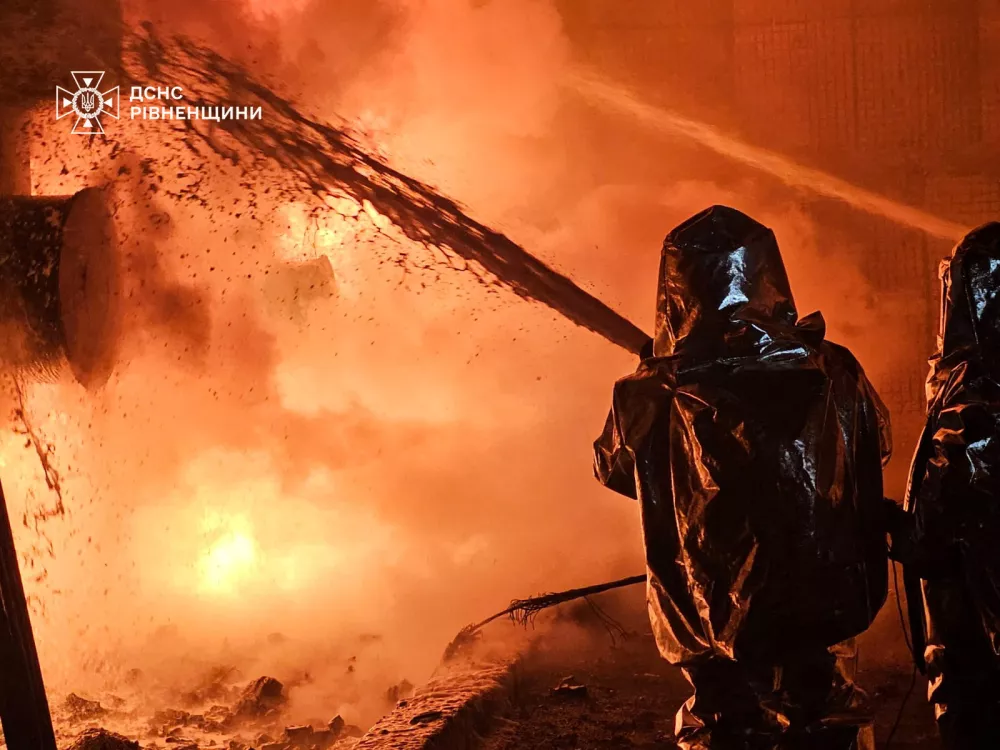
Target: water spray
{"x":602,"y":91}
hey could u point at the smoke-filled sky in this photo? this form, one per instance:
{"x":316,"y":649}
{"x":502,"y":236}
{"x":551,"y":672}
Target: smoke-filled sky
{"x":398,"y":451}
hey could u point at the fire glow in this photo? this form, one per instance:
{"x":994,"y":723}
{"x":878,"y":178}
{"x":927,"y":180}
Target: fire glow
{"x":314,"y":428}
{"x":231,"y":558}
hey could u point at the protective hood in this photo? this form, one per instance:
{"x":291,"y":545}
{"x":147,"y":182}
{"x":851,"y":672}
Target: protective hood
{"x":721,"y":281}
{"x":970,"y":292}
{"x":969,"y":327}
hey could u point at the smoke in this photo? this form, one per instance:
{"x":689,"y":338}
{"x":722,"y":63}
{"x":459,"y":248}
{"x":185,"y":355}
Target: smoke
{"x":305,"y":436}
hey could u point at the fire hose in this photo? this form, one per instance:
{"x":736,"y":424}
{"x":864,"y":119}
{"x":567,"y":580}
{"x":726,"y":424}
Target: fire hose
{"x":523,"y":610}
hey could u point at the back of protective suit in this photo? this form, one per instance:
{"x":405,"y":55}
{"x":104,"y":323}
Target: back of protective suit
{"x":755,"y":449}
{"x":954,"y":495}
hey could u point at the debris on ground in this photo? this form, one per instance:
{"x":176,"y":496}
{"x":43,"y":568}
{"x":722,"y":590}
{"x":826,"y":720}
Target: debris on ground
{"x":81,"y":708}
{"x":570,"y":688}
{"x":301,"y":735}
{"x":262,"y":697}
{"x":323,"y":738}
{"x":228,"y":716}
{"x":399,"y":692}
{"x":102,"y":739}
{"x":633,"y":696}
{"x":216,"y":687}
{"x":427,"y":717}
{"x":170,"y":717}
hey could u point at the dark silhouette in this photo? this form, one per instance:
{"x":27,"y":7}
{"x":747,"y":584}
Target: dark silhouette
{"x":952,"y":553}
{"x":755,"y":448}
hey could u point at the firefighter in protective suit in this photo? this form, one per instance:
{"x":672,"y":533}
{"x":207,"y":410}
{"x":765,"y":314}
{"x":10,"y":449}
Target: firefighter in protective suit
{"x":755,"y":448}
{"x":952,"y":554}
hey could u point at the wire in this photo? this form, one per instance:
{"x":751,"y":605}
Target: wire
{"x":899,"y":611}
{"x":909,"y":647}
{"x":899,"y":716}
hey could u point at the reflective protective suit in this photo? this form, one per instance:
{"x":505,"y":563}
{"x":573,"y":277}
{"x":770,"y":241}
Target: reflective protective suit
{"x":755,"y":448}
{"x":954,"y":496}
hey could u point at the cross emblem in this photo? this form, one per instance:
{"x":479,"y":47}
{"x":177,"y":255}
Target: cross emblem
{"x":88,"y":102}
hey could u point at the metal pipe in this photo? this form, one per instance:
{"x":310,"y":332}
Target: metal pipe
{"x":58,"y":285}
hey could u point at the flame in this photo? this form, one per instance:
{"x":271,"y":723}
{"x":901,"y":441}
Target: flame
{"x":231,"y":559}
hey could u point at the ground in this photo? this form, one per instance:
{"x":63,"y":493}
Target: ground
{"x":585,"y":679}
{"x":632,"y":695}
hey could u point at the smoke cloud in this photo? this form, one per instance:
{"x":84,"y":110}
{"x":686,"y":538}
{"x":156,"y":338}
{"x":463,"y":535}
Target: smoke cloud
{"x":306,"y":437}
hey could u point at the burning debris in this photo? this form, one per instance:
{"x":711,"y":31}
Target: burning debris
{"x":255,"y":719}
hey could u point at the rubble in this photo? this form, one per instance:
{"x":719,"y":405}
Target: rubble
{"x":215,"y":687}
{"x":116,"y":702}
{"x":261,"y":697}
{"x":81,"y":708}
{"x":299,"y":736}
{"x":257,"y":707}
{"x":323,"y":738}
{"x":217,"y":719}
{"x":171,"y":717}
{"x":102,"y":739}
{"x":398,"y":692}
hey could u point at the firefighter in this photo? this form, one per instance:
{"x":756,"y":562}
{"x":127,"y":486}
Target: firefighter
{"x":952,"y":554}
{"x":755,"y":449}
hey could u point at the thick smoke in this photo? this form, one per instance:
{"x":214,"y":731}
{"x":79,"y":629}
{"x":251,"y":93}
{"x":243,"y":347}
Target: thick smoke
{"x":365,"y":460}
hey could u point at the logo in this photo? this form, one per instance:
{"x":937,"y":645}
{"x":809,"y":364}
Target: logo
{"x":88,"y":103}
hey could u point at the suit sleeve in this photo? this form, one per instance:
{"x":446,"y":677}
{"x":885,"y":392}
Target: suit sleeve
{"x":884,"y":425}
{"x":960,"y":480}
{"x":614,"y":462}
{"x":867,"y":395}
